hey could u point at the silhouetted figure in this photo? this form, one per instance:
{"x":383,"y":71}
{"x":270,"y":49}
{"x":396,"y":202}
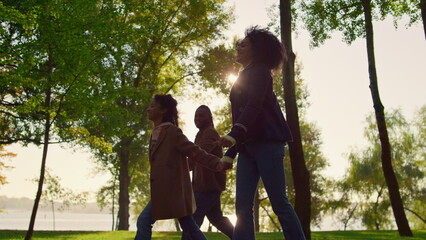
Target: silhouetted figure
{"x":171,"y":191}
{"x":208,"y":185}
{"x":259,"y":134}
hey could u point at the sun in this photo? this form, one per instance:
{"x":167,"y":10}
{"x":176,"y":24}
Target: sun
{"x":232,"y":78}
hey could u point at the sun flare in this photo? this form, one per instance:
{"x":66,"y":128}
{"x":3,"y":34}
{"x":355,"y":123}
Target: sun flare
{"x":232,"y":78}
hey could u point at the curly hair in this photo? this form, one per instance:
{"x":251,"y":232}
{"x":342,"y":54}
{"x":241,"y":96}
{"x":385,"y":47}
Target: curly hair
{"x":266,"y":48}
{"x":170,"y":104}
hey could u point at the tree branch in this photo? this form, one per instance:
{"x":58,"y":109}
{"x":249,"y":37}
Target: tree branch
{"x":9,"y":114}
{"x":270,"y":217}
{"x":154,"y":42}
{"x":415,"y":214}
{"x":180,"y":79}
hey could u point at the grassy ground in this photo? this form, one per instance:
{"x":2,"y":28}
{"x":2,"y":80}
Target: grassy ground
{"x":124,"y":235}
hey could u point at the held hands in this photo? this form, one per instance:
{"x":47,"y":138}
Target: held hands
{"x":226,"y":141}
{"x":225,"y":162}
{"x":223,"y":166}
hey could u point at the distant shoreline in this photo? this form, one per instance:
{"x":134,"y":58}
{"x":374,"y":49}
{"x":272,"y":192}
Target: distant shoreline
{"x":26,"y":204}
{"x":64,"y":221}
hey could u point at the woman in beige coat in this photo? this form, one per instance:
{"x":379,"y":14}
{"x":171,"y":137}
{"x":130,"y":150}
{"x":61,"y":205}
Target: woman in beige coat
{"x":171,"y":191}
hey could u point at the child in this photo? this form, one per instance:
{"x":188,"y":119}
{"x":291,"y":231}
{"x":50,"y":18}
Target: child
{"x":171,"y":191}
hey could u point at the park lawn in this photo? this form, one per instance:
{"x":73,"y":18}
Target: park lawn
{"x":125,"y":235}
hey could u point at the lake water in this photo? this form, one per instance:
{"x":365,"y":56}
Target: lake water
{"x":19,"y":220}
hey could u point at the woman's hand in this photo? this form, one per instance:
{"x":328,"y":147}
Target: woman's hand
{"x":223,"y":166}
{"x":225,"y":141}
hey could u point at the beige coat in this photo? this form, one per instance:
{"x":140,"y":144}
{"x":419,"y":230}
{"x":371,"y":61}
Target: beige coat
{"x":171,"y":191}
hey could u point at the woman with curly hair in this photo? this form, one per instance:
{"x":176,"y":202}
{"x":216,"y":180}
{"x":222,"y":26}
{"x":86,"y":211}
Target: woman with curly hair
{"x":259,"y":134}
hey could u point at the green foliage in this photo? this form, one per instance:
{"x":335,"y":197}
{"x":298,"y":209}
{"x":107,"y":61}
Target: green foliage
{"x":323,"y":17}
{"x":364,"y":182}
{"x":91,"y":67}
{"x":44,"y":65}
{"x":150,"y":52}
{"x":216,"y":65}
{"x":4,"y":154}
{"x":409,"y":8}
{"x":54,"y":192}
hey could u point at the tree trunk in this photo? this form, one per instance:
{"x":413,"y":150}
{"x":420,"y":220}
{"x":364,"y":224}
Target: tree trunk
{"x":113,"y":206}
{"x":276,"y":225}
{"x":116,"y":222}
{"x":256,"y":214}
{"x":177,"y":225}
{"x":124,"y":180}
{"x":297,"y":159}
{"x":351,"y":213}
{"x":47,"y":126}
{"x":53,"y":214}
{"x":389,"y":174}
{"x":423,"y":11}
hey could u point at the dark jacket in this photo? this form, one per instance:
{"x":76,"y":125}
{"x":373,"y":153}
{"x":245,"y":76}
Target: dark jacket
{"x":204,"y":179}
{"x":256,"y":114}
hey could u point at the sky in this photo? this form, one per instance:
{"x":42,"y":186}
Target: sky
{"x":337,"y":79}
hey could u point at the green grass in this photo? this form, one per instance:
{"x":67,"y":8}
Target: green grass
{"x":125,"y":235}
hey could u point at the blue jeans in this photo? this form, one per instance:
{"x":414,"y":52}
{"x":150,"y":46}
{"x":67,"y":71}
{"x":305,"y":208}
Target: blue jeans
{"x":263,"y":160}
{"x":145,"y":222}
{"x":208,"y":204}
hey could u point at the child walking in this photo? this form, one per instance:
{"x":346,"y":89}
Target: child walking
{"x":171,"y":191}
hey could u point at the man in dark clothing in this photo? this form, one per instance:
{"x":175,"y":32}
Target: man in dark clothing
{"x":207,"y":184}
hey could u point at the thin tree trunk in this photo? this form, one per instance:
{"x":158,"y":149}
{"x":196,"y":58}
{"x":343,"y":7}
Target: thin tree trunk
{"x":376,"y":206}
{"x":391,"y":181}
{"x":116,"y":223}
{"x":123,"y":197}
{"x":297,"y":159}
{"x":256,"y":211}
{"x":350,"y":215}
{"x":276,"y":225}
{"x":423,"y":11}
{"x":53,"y":214}
{"x":30,"y":231}
{"x":177,"y":226}
{"x":113,"y":206}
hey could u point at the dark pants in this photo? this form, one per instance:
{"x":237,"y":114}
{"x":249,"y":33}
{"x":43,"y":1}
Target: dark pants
{"x":263,"y":160}
{"x":145,"y":222}
{"x":208,"y":204}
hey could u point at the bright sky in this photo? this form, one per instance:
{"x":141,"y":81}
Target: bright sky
{"x":337,"y":78}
